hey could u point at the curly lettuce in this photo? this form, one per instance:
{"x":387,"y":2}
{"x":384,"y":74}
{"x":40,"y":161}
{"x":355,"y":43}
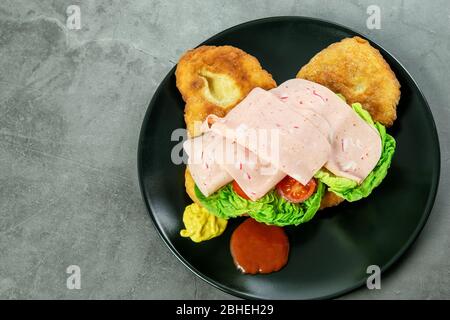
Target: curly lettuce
{"x":349,"y":189}
{"x":270,"y":209}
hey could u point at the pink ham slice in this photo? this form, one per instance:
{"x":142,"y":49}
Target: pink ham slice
{"x":215,"y":161}
{"x":203,"y":165}
{"x":300,"y":150}
{"x":254,"y":176}
{"x":356,"y":146}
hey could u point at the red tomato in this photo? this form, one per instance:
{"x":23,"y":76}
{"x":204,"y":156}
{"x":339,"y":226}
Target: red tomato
{"x":239,"y":191}
{"x":295,"y":192}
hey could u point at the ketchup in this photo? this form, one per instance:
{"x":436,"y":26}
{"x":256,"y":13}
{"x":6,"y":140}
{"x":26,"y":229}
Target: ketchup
{"x":259,"y":248}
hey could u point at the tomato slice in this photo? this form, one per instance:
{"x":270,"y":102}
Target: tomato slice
{"x":295,"y":192}
{"x":239,"y":191}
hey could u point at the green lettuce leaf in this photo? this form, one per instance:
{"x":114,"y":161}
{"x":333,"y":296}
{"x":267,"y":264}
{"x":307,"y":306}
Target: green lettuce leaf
{"x":349,"y":189}
{"x":270,"y":209}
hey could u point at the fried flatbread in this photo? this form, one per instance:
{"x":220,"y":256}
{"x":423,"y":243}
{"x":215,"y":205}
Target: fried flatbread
{"x":358,"y":71}
{"x":212,"y":80}
{"x":330,"y":199}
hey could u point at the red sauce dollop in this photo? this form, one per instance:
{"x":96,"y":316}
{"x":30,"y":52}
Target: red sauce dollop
{"x":259,"y":248}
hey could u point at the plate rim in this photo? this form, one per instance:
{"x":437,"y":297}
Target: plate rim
{"x":394,"y":259}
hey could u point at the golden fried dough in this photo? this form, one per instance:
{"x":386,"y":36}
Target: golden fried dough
{"x":330,"y":200}
{"x":355,"y":69}
{"x":212,"y":80}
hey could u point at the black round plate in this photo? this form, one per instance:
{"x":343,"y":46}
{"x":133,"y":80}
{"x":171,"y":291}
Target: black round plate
{"x":329,"y":255}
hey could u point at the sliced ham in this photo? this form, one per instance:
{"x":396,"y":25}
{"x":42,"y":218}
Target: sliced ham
{"x":215,"y":161}
{"x":299,"y":149}
{"x":356,"y":146}
{"x":208,"y":174}
{"x":255,"y":176}
{"x":294,"y":129}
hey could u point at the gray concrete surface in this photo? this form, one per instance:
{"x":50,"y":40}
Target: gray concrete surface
{"x":71,"y":106}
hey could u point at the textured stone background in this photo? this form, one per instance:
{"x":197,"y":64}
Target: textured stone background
{"x":71,"y":106}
